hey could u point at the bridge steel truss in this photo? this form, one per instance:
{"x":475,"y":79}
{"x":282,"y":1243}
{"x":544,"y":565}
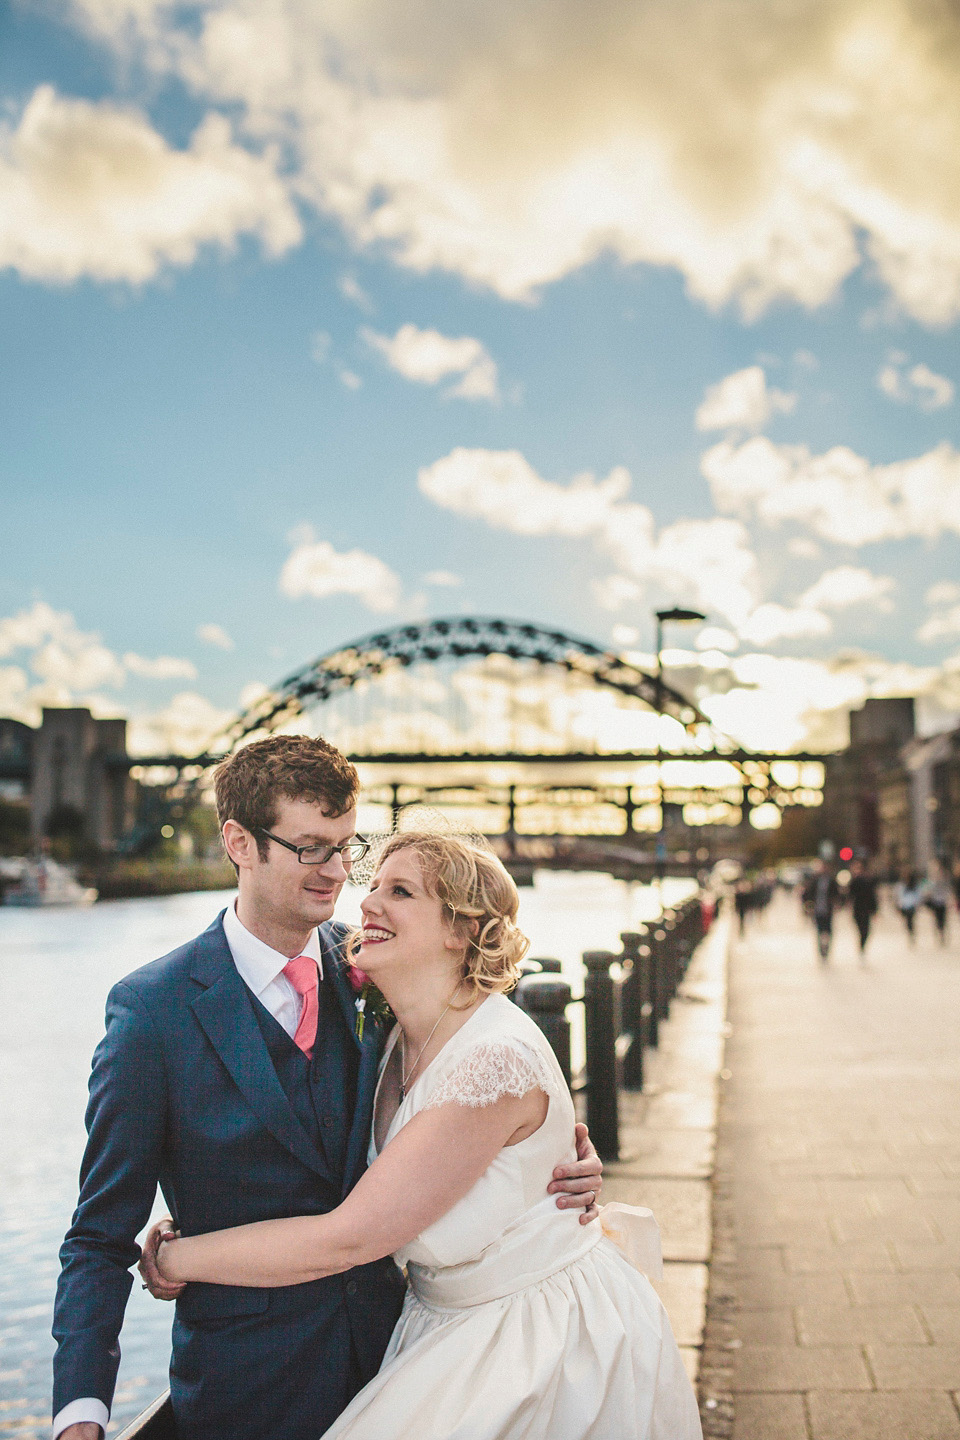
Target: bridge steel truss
{"x":458,"y":638}
{"x":464,"y":637}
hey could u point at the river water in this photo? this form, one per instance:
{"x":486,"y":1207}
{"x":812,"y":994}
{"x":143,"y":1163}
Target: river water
{"x":56,"y":967}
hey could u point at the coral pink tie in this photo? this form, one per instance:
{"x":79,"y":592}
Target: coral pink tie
{"x":302,"y":974}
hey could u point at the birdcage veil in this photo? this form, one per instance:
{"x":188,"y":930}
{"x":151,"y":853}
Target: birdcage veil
{"x":419,"y":819}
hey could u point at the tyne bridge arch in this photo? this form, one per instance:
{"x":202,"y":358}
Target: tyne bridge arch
{"x":541,"y":739}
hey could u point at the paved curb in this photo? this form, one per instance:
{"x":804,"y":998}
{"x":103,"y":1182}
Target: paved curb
{"x":668,"y":1137}
{"x":720,"y":1340}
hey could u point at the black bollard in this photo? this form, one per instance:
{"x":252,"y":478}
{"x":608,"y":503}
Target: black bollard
{"x":548,"y":966}
{"x":601,"y":1004}
{"x":634,"y":999}
{"x":671,"y":958}
{"x":527,"y":967}
{"x":651,"y":1019}
{"x":660,"y":960}
{"x":545,"y":999}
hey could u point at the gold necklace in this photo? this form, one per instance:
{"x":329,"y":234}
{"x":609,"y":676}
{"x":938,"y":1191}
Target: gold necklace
{"x":404,"y":1073}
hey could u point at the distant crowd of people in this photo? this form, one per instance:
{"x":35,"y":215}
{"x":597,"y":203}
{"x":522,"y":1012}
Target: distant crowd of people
{"x":824,"y":890}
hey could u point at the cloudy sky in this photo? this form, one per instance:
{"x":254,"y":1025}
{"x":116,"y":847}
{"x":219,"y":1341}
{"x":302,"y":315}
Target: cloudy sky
{"x":320,"y":317}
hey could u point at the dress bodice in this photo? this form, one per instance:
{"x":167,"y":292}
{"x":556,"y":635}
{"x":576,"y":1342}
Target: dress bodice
{"x":498,"y":1051}
{"x":519,"y":1322}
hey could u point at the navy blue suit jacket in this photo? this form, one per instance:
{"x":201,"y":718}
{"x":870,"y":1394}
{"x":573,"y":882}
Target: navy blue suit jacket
{"x":183,"y":1092}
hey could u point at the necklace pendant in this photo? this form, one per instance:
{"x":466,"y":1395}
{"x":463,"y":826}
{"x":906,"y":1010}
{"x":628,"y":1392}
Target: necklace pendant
{"x":403,"y":1093}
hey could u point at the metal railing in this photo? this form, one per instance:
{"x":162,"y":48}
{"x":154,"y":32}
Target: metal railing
{"x":625,"y":997}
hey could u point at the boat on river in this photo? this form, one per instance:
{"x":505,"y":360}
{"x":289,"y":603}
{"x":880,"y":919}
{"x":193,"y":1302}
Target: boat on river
{"x":43,"y":882}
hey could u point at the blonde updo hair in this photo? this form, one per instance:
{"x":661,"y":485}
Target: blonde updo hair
{"x":472,"y":885}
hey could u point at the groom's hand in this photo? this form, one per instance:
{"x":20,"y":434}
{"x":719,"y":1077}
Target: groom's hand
{"x":578,"y":1184}
{"x":153,"y":1281}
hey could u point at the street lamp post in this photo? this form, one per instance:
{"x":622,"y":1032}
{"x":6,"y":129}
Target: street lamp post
{"x":675,"y":616}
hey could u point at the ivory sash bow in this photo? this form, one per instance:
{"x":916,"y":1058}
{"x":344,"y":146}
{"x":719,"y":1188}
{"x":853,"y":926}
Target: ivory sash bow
{"x":635,"y":1232}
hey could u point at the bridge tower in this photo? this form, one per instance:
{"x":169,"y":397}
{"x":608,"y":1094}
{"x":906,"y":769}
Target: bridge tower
{"x":81,"y":763}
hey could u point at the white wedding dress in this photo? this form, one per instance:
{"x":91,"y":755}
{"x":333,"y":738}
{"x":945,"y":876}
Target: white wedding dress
{"x":520,"y":1323}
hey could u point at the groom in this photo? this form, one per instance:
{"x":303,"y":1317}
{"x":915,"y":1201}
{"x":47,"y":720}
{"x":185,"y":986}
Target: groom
{"x":232,"y":1075}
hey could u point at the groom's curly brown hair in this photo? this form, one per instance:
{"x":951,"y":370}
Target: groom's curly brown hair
{"x":249,"y":784}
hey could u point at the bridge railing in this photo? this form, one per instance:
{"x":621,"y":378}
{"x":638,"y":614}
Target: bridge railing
{"x":625,"y":997}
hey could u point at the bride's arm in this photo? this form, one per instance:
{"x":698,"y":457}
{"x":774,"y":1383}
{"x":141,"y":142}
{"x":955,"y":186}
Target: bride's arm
{"x":429,"y":1165}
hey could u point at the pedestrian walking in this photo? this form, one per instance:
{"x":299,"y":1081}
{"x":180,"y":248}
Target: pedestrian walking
{"x":936,"y":897}
{"x":820,"y":896}
{"x":863,"y":901}
{"x":742,"y":901}
{"x":908,"y":899}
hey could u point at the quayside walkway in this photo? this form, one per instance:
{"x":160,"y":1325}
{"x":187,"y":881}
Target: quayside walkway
{"x":840,"y":1184}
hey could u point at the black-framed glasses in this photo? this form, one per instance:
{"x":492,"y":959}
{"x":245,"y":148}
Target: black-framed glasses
{"x":352,"y":851}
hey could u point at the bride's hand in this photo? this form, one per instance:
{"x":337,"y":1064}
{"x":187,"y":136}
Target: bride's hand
{"x":578,"y":1184}
{"x":153,"y":1281}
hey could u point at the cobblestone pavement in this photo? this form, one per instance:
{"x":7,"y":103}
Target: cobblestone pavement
{"x":841,"y":1116}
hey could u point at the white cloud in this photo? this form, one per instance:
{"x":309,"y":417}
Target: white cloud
{"x":93,"y":189}
{"x":919,"y":386}
{"x":945,"y":625}
{"x":184,"y":727}
{"x":770,"y":622}
{"x":944,"y":592}
{"x":512,"y":145}
{"x":321,"y":342}
{"x":314,"y":568}
{"x":60,"y":664}
{"x":707,"y":562}
{"x":849,"y":585}
{"x":351,"y":289}
{"x":14,"y":699}
{"x":213,"y":634}
{"x":612,"y":592}
{"x":427,"y":357}
{"x":839,"y":495}
{"x":442,"y":578}
{"x":770,"y":703}
{"x":502,"y":487}
{"x":350,"y":379}
{"x":714,"y":637}
{"x":773,"y":702}
{"x":164,"y":667}
{"x":741,"y":401}
{"x":30,"y":627}
{"x":64,"y":658}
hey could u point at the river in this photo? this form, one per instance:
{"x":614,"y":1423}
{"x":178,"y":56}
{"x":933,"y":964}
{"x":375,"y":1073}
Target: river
{"x":56,"y":967}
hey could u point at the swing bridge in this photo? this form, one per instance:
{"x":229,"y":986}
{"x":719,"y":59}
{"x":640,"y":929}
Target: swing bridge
{"x":562,"y":751}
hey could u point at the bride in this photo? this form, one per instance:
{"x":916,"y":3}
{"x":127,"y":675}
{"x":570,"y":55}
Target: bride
{"x":518,"y":1321}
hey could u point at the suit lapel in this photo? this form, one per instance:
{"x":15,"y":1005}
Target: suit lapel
{"x":358,"y":1143}
{"x":224,"y":1011}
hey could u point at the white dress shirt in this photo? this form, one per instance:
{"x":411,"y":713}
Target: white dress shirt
{"x":261,"y":970}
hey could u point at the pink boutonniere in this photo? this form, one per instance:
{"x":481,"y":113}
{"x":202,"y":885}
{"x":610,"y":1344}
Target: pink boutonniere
{"x":369,"y":999}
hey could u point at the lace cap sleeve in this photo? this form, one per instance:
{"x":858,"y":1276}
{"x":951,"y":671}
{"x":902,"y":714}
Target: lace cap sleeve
{"x":489,"y":1071}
